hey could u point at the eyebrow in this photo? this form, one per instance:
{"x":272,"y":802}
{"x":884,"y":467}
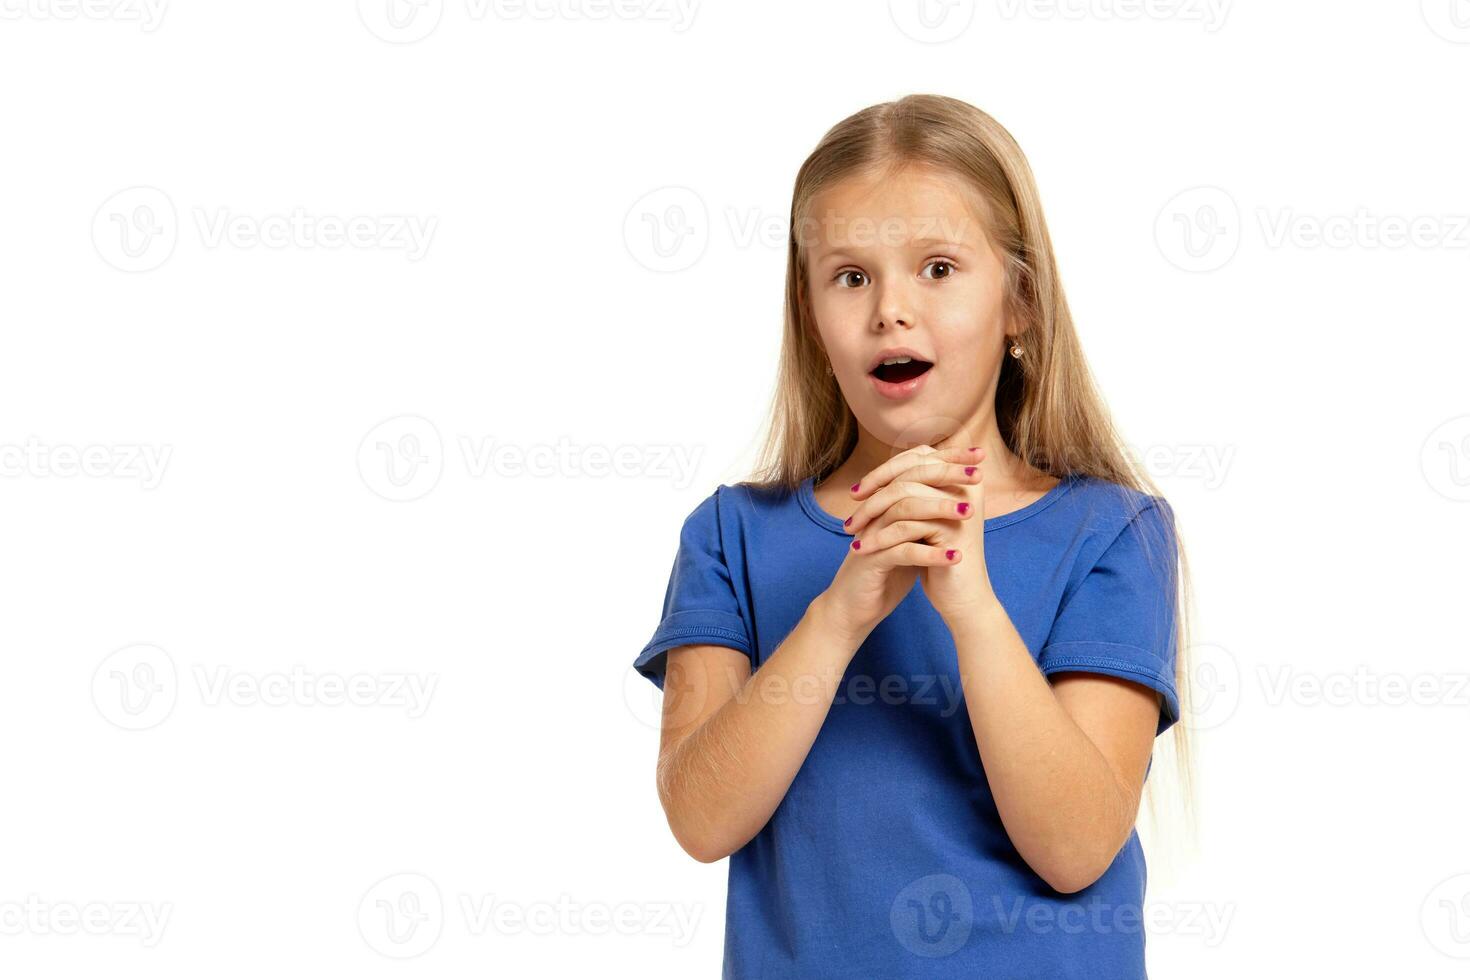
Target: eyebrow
{"x":939,"y":241}
{"x":823,"y":253}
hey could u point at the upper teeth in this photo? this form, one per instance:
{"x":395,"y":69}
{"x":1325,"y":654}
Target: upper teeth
{"x":898,"y":360}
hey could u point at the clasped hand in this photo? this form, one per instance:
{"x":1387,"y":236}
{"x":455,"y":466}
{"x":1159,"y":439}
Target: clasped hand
{"x":918,"y":516}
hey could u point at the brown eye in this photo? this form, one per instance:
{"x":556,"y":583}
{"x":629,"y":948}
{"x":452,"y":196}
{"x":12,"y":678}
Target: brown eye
{"x":843,"y":281}
{"x":947,"y":266}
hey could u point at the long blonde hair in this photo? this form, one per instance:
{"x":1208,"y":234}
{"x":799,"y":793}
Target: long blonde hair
{"x":1047,"y":407}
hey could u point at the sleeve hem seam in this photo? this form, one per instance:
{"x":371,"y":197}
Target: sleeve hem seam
{"x":1055,"y":663}
{"x":685,"y":632}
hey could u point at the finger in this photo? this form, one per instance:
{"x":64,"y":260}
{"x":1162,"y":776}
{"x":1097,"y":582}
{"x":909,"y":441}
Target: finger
{"x":879,"y":502}
{"x":881,"y":539}
{"x":882,"y":474}
{"x":932,"y":471}
{"x":917,"y":553}
{"x":892,"y":503}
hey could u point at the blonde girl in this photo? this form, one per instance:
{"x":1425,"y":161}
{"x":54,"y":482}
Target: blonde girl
{"x":913,"y":672}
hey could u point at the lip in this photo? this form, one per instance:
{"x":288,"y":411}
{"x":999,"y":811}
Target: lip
{"x":898,"y":391}
{"x":888,"y":352}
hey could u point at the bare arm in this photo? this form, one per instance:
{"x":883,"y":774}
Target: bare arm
{"x":1065,"y":759}
{"x":733,"y":741}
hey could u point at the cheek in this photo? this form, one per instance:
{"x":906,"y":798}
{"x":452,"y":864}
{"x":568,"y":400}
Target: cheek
{"x":833,"y":306}
{"x":971,"y":319}
{"x":840,"y":321}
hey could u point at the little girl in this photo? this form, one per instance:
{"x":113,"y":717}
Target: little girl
{"x":912,"y":675}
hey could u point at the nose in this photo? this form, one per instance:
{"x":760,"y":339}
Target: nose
{"x":894,"y":314}
{"x":894,"y":310}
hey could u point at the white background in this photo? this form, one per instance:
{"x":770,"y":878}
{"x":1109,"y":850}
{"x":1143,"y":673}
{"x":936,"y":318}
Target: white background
{"x":381,"y":462}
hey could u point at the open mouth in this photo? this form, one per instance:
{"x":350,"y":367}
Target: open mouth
{"x":897,"y":370}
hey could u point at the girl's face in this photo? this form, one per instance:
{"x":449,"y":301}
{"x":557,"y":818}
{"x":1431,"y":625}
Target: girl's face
{"x":904,"y":263}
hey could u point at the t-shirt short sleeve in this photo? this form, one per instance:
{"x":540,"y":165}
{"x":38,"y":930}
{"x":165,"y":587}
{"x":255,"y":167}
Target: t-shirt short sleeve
{"x":700,"y":603}
{"x":1120,"y":617}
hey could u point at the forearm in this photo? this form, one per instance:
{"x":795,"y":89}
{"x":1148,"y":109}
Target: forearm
{"x":1060,"y":801}
{"x":721,"y":783}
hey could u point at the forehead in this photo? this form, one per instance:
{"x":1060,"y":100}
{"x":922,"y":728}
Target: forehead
{"x":916,"y":206}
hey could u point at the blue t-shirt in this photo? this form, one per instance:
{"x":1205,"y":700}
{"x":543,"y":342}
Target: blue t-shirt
{"x":887,"y":857}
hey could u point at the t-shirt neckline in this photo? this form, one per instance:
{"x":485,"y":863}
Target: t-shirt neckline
{"x":807,"y":496}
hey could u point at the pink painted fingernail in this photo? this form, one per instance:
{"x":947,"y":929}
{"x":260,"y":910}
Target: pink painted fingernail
{"x":972,"y":449}
{"x":855,"y":486}
{"x":969,"y":471}
{"x":856,"y":544}
{"x":963,"y":508}
{"x":847,"y":522}
{"x":949,"y":554}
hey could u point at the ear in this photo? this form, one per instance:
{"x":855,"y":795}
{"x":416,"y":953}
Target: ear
{"x":1011,"y":328}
